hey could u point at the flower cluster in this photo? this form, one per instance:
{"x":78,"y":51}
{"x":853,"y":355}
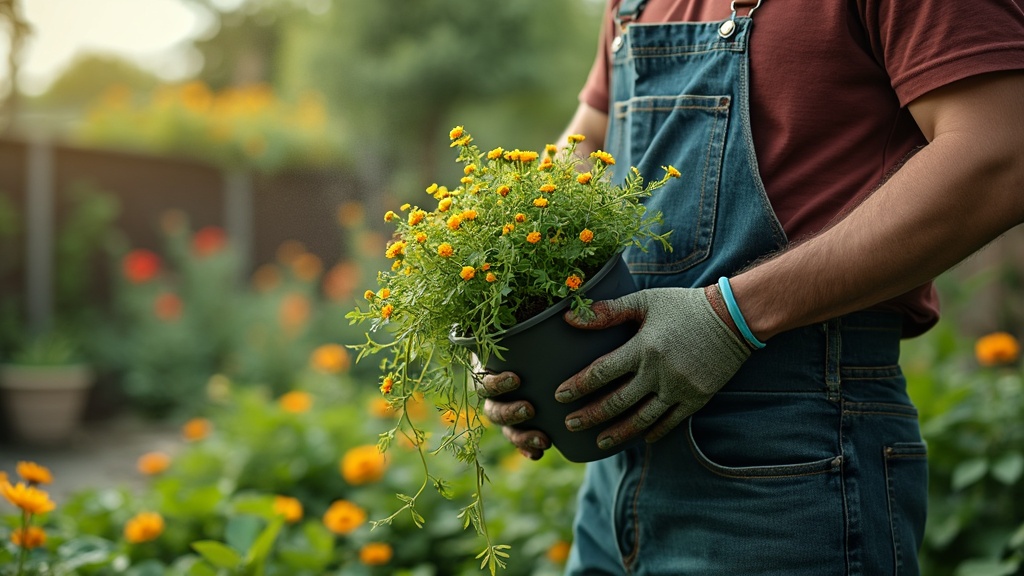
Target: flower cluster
{"x":522,"y":231}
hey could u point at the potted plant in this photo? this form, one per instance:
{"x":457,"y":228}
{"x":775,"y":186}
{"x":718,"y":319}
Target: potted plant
{"x":524,"y":236}
{"x":45,"y":386}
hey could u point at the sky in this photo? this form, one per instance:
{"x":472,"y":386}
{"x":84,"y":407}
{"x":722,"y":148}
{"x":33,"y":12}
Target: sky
{"x":151,"y":33}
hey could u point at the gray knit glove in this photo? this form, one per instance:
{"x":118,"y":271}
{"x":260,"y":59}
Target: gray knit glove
{"x":681,"y":356}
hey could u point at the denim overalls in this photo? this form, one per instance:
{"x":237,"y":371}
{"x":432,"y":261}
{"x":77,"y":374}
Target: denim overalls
{"x":810,"y":460}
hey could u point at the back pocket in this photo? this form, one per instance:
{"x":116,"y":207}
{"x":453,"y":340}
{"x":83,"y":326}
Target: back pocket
{"x":661,"y":133}
{"x":906,"y":477}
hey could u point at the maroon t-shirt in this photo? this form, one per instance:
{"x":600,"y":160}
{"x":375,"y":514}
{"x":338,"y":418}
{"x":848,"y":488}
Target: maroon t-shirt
{"x":829,"y":86}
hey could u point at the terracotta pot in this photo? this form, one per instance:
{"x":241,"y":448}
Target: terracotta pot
{"x":545,"y":351}
{"x":44,"y":404}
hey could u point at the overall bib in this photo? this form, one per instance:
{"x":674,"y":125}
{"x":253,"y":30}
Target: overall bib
{"x":810,"y":460}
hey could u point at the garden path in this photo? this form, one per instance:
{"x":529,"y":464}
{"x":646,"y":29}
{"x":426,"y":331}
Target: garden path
{"x":101,"y":454}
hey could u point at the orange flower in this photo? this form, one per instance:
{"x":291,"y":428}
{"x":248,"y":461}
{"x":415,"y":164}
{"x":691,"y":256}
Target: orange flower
{"x":330,"y":359}
{"x":507,"y":229}
{"x":362,"y":465}
{"x":997,"y":348}
{"x":208,"y":240}
{"x":396,"y":249}
{"x":520,"y":217}
{"x":344,"y":517}
{"x":444,"y":204}
{"x":341,"y":281}
{"x":495,"y":153}
{"x":469,"y":214}
{"x":545,"y":164}
{"x":575,"y":138}
{"x":586,"y":235}
{"x":140,"y":266}
{"x":350,"y":213}
{"x":196,"y":429}
{"x":293,"y":312}
{"x":369,"y":295}
{"x":29,"y":498}
{"x":454,"y":222}
{"x":602,"y":156}
{"x":390,"y":215}
{"x":29,"y":538}
{"x":295,"y":402}
{"x":573,"y":282}
{"x":533,"y":237}
{"x":585,"y":178}
{"x":34,"y":473}
{"x":153,"y":463}
{"x":307,"y":267}
{"x":387,"y":311}
{"x":381,"y":408}
{"x":144,"y":527}
{"x":289,"y":508}
{"x":416,"y":216}
{"x":548,"y":188}
{"x":540,"y":202}
{"x":456,"y":133}
{"x":421,"y":237}
{"x":445,"y":250}
{"x":167,"y":307}
{"x":387,"y":385}
{"x":266,"y":278}
{"x":503,"y":191}
{"x":375,"y":554}
{"x":559,"y":552}
{"x":469,"y":169}
{"x":673,"y":172}
{"x":491,"y":277}
{"x":467,"y":272}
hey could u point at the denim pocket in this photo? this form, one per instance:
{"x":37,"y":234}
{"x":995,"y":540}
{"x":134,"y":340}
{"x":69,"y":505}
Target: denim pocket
{"x":659,"y":131}
{"x":906,"y":472}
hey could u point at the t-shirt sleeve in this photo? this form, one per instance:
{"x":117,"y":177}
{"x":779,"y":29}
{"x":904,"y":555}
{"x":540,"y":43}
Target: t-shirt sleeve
{"x":595,"y":90}
{"x":926,"y":44}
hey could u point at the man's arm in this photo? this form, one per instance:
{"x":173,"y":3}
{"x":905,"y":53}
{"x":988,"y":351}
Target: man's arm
{"x":589,"y":122}
{"x":962,"y":190}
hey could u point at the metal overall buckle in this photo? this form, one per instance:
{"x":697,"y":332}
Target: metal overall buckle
{"x":728,"y":28}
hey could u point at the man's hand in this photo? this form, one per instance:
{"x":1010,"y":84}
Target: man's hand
{"x":531,"y":443}
{"x":682,"y":354}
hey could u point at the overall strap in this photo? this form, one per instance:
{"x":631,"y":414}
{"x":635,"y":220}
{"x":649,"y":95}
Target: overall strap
{"x":629,"y":10}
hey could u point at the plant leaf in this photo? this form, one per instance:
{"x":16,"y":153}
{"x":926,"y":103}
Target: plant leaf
{"x":217,"y":553}
{"x":968,"y":472}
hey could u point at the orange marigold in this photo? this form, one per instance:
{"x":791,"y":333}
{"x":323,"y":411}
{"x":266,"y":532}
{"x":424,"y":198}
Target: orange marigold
{"x":144,"y":527}
{"x":421,"y":237}
{"x":330,"y":358}
{"x":491,"y":277}
{"x":503,"y":190}
{"x":558,"y":552}
{"x":396,"y":249}
{"x":369,"y":295}
{"x":444,"y":204}
{"x":196,"y":429}
{"x":540,"y":202}
{"x":416,"y":216}
{"x":997,"y":348}
{"x":602,"y":156}
{"x":141,"y":266}
{"x":585,"y":178}
{"x":34,"y":473}
{"x":454,"y":222}
{"x":507,"y":229}
{"x":456,"y":133}
{"x":153,"y":463}
{"x":673,"y":172}
{"x":495,"y":153}
{"x":387,"y":385}
{"x":375,"y":553}
{"x":445,"y":250}
{"x":573,"y":282}
{"x":548,"y":188}
{"x":295,"y":401}
{"x":362,"y":465}
{"x":29,"y":498}
{"x":390,"y":215}
{"x":469,"y":214}
{"x":520,"y":217}
{"x":467,"y":272}
{"x":387,"y":311}
{"x":29,"y":537}
{"x":289,"y":508}
{"x":344,"y":517}
{"x":586,"y":235}
{"x":533,"y":237}
{"x":575,"y":138}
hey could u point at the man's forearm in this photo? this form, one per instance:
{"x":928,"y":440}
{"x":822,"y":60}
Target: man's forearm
{"x":957,"y":194}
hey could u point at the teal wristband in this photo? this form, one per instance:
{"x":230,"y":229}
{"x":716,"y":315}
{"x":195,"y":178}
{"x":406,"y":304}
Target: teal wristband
{"x":737,"y":316}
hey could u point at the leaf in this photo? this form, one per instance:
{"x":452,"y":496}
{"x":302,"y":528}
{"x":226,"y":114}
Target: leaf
{"x":241,"y":531}
{"x":1009,"y":468}
{"x":217,"y":553}
{"x":987,"y":567}
{"x":968,"y":472}
{"x":1017,"y":540}
{"x":264,"y":542}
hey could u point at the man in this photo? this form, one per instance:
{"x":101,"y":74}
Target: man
{"x":836,"y":158}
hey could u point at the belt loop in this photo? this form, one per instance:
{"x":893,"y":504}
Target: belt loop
{"x":833,"y":350}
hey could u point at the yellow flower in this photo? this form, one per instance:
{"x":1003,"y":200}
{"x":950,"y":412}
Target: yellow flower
{"x":997,"y":348}
{"x":466,"y":180}
{"x":405,"y":207}
{"x":540,"y":202}
{"x":456,"y":132}
{"x":576,"y":138}
{"x":196,"y":429}
{"x":551,"y":149}
{"x":602,"y":156}
{"x":344,"y":517}
{"x":390,"y":215}
{"x":495,"y":154}
{"x":432,"y":188}
{"x":454,"y":222}
{"x":533,"y":237}
{"x":416,"y":216}
{"x":34,"y":473}
{"x":673,"y":172}
{"x":289,"y":508}
{"x":295,"y":402}
{"x":387,"y":311}
{"x":528,"y":156}
{"x":362,"y":465}
{"x":559,"y":552}
{"x":330,"y":358}
{"x":29,"y":537}
{"x":585,"y":178}
{"x":385,"y":293}
{"x":520,"y":217}
{"x":381,"y":408}
{"x":545,"y":164}
{"x":445,"y":250}
{"x":153,"y":463}
{"x":396,"y":264}
{"x":469,"y":214}
{"x":421,"y":237}
{"x":396,"y":249}
{"x":375,"y":554}
{"x":387,"y":385}
{"x":586,"y":235}
{"x":549,"y":188}
{"x":29,"y":498}
{"x":465,"y":140}
{"x":491,"y":277}
{"x":507,"y":229}
{"x":573,"y":282}
{"x":503,"y":191}
{"x":467,"y":272}
{"x":368,"y":295}
{"x":444,"y":204}
{"x":469,"y":169}
{"x":144,"y":527}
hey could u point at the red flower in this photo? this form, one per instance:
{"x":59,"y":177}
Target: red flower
{"x":167,"y":307}
{"x":208,"y":240}
{"x":141,"y":266}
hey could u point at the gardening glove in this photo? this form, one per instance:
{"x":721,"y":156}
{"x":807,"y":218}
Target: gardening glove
{"x":531,"y":443}
{"x":683,"y":353}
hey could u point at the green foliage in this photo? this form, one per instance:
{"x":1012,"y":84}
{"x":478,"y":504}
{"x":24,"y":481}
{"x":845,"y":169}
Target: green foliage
{"x":973,"y":420}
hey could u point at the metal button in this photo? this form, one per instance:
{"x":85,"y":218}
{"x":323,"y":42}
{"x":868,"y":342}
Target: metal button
{"x":617,"y":43}
{"x":727,"y":28}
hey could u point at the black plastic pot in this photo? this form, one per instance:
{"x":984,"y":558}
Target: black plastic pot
{"x":545,"y":350}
